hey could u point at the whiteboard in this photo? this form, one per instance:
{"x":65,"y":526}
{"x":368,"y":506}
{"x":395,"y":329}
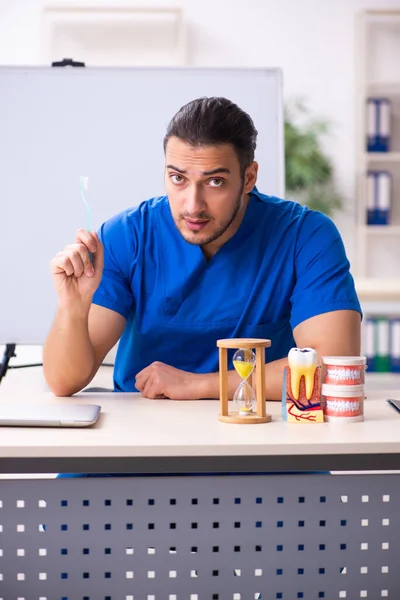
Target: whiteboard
{"x":108,"y":124}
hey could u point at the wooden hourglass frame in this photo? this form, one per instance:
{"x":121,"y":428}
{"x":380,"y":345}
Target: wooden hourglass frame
{"x":246,"y":343}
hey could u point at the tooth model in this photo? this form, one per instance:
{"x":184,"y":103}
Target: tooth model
{"x":301,"y":393}
{"x":302,"y":363}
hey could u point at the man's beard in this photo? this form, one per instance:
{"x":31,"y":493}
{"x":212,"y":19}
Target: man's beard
{"x":204,"y":216}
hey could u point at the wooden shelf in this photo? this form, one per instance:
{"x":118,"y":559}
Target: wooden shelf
{"x":378,"y":289}
{"x":389,"y":17}
{"x":381,"y":381}
{"x":390,"y":88}
{"x":382,"y":156}
{"x":382,"y":230}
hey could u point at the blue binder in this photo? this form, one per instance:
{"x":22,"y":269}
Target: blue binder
{"x":379,"y":191}
{"x":378,"y":124}
{"x":395,"y":345}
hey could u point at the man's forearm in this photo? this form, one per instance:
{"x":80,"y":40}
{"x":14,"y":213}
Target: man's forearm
{"x":68,"y":356}
{"x":208,"y":385}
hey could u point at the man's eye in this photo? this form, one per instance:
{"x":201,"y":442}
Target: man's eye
{"x":216,"y":182}
{"x":177,"y":178}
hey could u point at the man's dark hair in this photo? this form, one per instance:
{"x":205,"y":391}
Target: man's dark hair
{"x":211,"y":121}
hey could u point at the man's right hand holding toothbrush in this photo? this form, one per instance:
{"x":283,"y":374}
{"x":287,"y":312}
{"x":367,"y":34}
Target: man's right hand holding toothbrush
{"x":75,"y":276}
{"x":82,"y":333}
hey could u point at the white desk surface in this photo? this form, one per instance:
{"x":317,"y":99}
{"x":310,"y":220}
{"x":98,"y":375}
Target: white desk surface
{"x":131,"y":426}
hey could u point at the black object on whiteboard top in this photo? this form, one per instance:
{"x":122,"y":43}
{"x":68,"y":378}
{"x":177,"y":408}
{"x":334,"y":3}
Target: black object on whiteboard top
{"x":67,"y":62}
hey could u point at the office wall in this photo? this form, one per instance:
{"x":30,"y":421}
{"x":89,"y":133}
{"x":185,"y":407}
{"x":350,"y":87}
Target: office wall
{"x":312,"y":40}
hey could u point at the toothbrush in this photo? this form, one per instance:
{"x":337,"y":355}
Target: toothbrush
{"x":84,"y":186}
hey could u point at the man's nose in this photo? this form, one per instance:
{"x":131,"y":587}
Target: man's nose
{"x":194,"y":201}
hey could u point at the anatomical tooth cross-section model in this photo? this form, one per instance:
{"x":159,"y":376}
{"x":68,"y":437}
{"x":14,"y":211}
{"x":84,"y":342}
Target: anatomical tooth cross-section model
{"x":301,"y":391}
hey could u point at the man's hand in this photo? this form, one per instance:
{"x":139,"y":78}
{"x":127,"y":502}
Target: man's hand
{"x":75,"y":276}
{"x":159,"y":380}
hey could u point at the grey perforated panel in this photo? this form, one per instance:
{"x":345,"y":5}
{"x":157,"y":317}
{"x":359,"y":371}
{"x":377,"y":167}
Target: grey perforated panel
{"x":200,"y":538}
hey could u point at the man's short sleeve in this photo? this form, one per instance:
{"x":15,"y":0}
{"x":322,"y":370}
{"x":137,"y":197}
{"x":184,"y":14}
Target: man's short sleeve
{"x":323,"y":282}
{"x":120,"y":247}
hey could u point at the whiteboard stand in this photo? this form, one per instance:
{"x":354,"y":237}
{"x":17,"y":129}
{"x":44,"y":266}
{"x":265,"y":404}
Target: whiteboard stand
{"x":9,"y":353}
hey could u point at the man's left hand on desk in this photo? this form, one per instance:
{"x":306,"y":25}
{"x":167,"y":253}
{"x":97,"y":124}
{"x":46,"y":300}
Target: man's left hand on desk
{"x":159,"y":380}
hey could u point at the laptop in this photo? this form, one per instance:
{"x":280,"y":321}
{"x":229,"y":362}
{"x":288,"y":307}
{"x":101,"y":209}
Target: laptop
{"x":48,"y":415}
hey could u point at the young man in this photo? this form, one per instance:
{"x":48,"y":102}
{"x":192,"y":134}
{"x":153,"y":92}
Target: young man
{"x":214,"y":258}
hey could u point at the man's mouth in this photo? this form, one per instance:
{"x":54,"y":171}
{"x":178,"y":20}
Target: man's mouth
{"x":196,"y":225}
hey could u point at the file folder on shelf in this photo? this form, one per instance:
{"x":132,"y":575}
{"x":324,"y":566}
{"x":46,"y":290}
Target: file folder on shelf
{"x":379,"y":192}
{"x":378,"y":124}
{"x":395,"y":345}
{"x":382,"y":345}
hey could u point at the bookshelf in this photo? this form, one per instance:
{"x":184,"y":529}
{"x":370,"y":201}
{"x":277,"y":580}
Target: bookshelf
{"x":377,"y":264}
{"x":378,"y":78}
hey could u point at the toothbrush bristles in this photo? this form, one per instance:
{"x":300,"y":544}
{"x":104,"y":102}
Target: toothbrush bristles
{"x":85,"y":182}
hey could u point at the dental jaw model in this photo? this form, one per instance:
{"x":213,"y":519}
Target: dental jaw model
{"x":301,"y":392}
{"x":343,"y":403}
{"x":342,"y":391}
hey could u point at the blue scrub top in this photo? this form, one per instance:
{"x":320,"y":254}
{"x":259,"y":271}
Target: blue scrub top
{"x":284,"y":265}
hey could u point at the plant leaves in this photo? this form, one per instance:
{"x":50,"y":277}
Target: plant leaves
{"x":308,"y":170}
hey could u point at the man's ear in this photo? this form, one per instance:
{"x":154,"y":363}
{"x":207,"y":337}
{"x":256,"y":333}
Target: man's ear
{"x":250,"y":177}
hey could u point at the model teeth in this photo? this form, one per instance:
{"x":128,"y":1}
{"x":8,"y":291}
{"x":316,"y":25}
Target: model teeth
{"x":343,"y":374}
{"x":302,"y":362}
{"x":338,"y":406}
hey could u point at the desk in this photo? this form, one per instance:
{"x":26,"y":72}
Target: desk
{"x":182,"y":528}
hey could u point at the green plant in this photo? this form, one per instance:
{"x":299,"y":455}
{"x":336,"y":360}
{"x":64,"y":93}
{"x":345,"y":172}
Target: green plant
{"x":308,"y":171}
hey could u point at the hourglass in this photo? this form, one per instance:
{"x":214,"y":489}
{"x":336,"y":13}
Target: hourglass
{"x":248,"y":406}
